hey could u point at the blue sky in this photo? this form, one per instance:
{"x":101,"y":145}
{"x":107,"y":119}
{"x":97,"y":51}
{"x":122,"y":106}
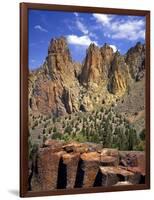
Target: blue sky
{"x":81,"y":29}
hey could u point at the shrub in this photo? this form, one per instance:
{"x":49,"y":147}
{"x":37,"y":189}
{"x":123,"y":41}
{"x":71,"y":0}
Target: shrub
{"x":68,"y":129}
{"x":44,"y":131}
{"x":66,"y":137}
{"x":54,"y":129}
{"x":56,"y":136}
{"x":80,"y":138}
{"x":142,"y":135}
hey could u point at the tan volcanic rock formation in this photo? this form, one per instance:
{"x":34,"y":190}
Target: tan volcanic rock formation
{"x":92,"y":68}
{"x":55,"y":84}
{"x":97,"y":64}
{"x":61,"y":86}
{"x":119,"y":75}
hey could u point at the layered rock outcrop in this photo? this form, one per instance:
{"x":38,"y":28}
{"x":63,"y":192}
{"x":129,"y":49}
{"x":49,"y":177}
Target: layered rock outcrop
{"x":72,"y":165}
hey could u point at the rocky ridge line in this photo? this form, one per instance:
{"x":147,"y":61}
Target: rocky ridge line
{"x":62,"y":86}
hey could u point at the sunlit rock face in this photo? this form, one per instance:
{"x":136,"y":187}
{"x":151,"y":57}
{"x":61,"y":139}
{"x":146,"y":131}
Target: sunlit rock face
{"x":76,"y":165}
{"x":61,"y":86}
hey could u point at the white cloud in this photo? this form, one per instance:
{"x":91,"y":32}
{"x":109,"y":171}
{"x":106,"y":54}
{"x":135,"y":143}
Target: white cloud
{"x":81,"y":27}
{"x":76,"y":14}
{"x":80,"y":40}
{"x":38,"y":27}
{"x":129,"y":28}
{"x":113,"y":47}
{"x":102,"y":18}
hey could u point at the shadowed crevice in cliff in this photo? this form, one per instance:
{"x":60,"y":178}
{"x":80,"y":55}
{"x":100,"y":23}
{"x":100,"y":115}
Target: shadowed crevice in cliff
{"x":62,"y":175}
{"x":82,"y":108}
{"x":30,"y":178}
{"x":122,"y":178}
{"x":98,"y":180}
{"x":79,"y":175}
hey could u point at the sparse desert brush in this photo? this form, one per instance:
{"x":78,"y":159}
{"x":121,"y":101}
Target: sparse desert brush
{"x":44,"y":131}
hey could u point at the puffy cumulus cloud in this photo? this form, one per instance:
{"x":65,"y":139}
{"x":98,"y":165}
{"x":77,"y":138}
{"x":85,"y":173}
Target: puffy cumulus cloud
{"x":113,"y":47}
{"x":80,"y":40}
{"x":40,"y":28}
{"x":129,"y":28}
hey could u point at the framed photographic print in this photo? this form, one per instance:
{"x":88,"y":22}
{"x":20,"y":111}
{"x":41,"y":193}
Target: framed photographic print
{"x":84,"y":99}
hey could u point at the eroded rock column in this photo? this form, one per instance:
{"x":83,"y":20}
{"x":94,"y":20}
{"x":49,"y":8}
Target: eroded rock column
{"x":90,"y":167}
{"x":48,"y":164}
{"x":71,"y":161}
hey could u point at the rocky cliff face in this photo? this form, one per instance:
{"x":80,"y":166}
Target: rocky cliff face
{"x":80,"y":165}
{"x":97,"y":64}
{"x":92,"y":68}
{"x":59,"y":61}
{"x":55,"y":83}
{"x":61,"y":86}
{"x":119,"y":75}
{"x":135,"y":58}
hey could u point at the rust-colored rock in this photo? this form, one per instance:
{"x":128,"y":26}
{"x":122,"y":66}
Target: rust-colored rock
{"x":47,"y":167}
{"x":109,"y":161}
{"x":76,"y":147}
{"x":54,"y":145}
{"x":90,"y":166}
{"x":109,"y":157}
{"x":71,"y":161}
{"x":135,"y":161}
{"x":110,"y":152}
{"x":111,"y":175}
